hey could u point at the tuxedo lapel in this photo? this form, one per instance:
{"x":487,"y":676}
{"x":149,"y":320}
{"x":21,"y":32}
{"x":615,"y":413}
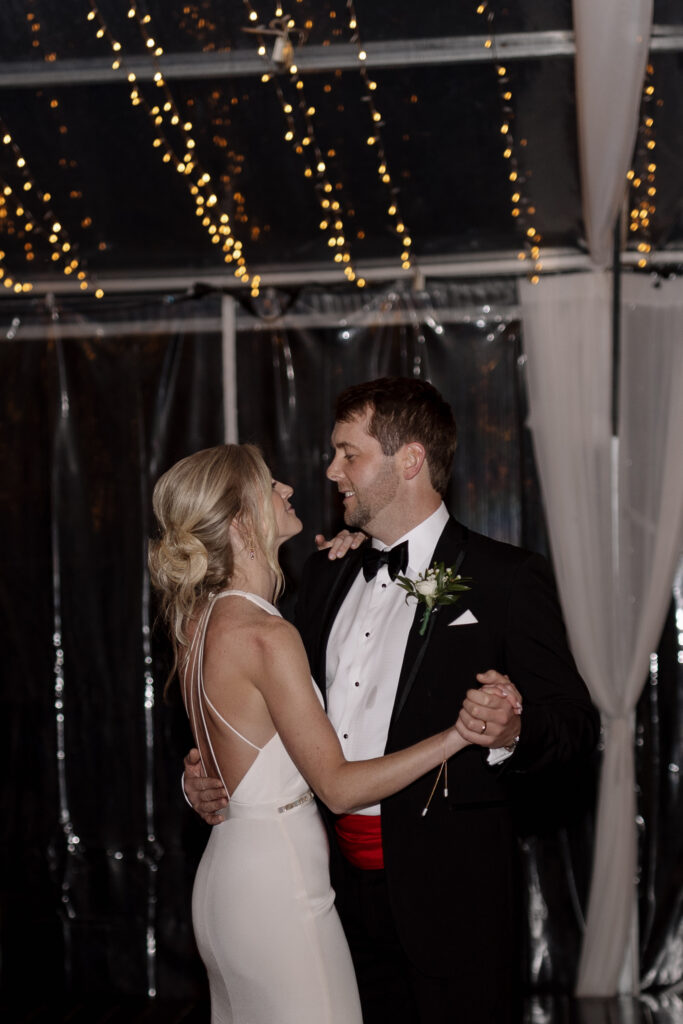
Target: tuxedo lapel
{"x":450,"y":550}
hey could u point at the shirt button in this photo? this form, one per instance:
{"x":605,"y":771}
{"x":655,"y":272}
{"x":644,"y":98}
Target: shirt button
{"x":356,"y":684}
{"x":346,"y":735}
{"x":367,"y":634}
{"x":384,"y":586}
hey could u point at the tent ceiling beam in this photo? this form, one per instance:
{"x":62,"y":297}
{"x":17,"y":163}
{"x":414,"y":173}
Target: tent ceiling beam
{"x":245,"y":63}
{"x":498,"y":264}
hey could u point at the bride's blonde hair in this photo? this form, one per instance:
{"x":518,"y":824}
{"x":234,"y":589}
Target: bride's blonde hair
{"x":195,"y":502}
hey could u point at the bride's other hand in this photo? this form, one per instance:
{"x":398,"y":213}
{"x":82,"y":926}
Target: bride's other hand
{"x":206,"y":796}
{"x":339,"y":545}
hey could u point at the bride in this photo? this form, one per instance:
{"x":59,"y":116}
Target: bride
{"x":262,"y":906}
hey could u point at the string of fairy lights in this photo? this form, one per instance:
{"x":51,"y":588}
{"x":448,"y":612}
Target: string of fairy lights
{"x":25,"y":208}
{"x":376,"y":140}
{"x":305,"y":142}
{"x":27,"y":214}
{"x":76,"y":208}
{"x":18,"y":203}
{"x":333,"y":207}
{"x":642,"y":175}
{"x":166,"y":119}
{"x":521,"y":208}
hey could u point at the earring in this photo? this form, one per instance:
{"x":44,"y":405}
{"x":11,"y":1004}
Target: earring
{"x":252,"y":554}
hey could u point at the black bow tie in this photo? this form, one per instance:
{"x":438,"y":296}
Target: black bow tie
{"x":396,"y":560}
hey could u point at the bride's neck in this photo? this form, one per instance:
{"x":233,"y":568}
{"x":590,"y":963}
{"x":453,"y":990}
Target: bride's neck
{"x":254,"y":576}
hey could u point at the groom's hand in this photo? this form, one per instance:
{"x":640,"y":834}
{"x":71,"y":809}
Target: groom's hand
{"x":490,"y":716}
{"x":339,"y":545}
{"x":206,"y":795}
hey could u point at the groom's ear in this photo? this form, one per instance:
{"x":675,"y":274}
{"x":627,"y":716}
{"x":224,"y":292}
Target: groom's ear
{"x":411,"y":459}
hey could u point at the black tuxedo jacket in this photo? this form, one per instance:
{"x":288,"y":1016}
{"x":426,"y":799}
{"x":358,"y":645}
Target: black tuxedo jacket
{"x":451,"y":874}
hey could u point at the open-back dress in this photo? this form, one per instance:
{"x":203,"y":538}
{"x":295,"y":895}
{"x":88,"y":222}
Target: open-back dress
{"x":262,"y":905}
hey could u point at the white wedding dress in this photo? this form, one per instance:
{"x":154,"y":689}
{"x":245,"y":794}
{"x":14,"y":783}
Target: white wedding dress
{"x":262,"y":905}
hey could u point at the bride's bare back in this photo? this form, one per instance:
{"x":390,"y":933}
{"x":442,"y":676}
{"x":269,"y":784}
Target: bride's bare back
{"x":228,"y":713}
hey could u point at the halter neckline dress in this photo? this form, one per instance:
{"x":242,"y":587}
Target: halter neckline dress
{"x":262,"y":904}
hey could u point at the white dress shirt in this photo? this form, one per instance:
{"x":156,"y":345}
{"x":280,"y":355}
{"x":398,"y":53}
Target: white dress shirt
{"x":367,"y":644}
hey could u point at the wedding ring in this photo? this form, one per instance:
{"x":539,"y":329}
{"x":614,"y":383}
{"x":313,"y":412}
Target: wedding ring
{"x":483,"y":727}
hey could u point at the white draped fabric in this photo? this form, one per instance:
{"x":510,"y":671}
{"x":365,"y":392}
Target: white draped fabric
{"x":615,"y":516}
{"x":612,"y":38}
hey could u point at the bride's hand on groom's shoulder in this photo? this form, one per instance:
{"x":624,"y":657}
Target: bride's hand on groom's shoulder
{"x":339,"y":545}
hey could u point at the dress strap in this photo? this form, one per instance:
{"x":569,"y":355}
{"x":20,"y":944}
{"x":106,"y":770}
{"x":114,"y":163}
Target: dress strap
{"x":254,"y":598}
{"x":194,"y":691}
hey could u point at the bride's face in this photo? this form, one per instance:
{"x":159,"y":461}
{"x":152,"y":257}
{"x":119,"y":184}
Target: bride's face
{"x":287,"y":522}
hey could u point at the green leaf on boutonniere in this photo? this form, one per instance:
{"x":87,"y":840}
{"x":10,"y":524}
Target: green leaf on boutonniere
{"x":434,"y":587}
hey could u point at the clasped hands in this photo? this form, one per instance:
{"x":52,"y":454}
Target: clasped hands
{"x":490,"y":716}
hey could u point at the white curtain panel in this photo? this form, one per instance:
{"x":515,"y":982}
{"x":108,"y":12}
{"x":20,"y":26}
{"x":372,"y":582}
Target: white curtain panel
{"x":615,"y":516}
{"x":612,"y":38}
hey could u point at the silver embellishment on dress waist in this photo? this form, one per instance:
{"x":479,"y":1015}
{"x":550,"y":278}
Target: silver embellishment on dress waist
{"x":305,"y":799}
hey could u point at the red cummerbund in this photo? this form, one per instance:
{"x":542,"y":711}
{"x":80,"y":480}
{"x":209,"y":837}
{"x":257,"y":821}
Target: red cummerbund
{"x":360,"y":839}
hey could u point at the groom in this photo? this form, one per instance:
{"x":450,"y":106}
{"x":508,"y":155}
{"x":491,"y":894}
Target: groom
{"x":430,"y":901}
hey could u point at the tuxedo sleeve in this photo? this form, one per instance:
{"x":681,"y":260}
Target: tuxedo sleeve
{"x":559,"y":721}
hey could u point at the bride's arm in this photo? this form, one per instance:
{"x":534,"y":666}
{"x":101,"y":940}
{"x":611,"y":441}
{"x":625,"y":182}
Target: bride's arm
{"x":281,"y":672}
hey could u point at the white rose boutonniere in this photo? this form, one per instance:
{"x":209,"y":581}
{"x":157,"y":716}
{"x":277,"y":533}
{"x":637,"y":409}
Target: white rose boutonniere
{"x":434,"y":587}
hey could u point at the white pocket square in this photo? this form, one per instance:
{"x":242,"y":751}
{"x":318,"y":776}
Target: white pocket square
{"x":466,"y":619}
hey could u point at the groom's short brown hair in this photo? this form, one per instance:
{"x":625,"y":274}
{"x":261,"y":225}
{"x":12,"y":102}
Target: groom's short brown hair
{"x":405,"y":409}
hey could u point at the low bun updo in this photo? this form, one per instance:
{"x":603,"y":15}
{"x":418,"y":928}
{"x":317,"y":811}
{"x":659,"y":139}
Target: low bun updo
{"x":195,"y":502}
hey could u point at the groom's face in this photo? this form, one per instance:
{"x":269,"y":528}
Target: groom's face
{"x":367,"y":478}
